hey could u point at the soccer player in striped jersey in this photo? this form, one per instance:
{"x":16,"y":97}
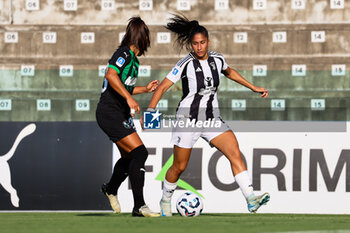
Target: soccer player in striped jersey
{"x":200,"y":72}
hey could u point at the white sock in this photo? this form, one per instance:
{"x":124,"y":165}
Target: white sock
{"x":245,"y":184}
{"x":168,"y":190}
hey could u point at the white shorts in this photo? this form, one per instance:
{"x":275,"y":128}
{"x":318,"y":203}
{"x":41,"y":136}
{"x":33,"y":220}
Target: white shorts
{"x":186,"y":137}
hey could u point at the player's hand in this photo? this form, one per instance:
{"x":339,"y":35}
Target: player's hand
{"x":264,"y":92}
{"x":152,"y":86}
{"x":134,"y":106}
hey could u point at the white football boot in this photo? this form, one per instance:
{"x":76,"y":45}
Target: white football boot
{"x":144,"y":211}
{"x":165,"y":208}
{"x":254,"y":202}
{"x":113,"y":199}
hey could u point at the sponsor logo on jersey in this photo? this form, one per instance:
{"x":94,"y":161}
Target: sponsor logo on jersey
{"x":130,"y":81}
{"x":198,"y":69}
{"x":175,"y":71}
{"x":120,"y":62}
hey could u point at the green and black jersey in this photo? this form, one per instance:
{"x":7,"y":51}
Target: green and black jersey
{"x":126,"y":64}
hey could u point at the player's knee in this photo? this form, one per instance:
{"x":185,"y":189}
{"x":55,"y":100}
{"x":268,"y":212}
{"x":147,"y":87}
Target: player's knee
{"x":139,"y":156}
{"x":179,"y":167}
{"x":234,"y":156}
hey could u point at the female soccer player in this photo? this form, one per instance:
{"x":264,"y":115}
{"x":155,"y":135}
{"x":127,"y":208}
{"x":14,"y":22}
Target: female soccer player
{"x":200,"y":72}
{"x":115,"y":111}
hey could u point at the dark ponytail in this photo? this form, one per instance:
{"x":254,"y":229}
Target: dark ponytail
{"x":185,"y":30}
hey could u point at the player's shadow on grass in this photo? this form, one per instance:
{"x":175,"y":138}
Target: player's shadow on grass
{"x":95,"y":214}
{"x":221,"y":214}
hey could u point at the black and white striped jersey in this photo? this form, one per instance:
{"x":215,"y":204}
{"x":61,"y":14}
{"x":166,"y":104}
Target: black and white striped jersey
{"x":200,"y":81}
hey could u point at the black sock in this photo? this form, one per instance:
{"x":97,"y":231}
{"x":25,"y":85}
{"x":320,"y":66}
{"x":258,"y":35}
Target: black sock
{"x":120,"y":173}
{"x":137,"y":174}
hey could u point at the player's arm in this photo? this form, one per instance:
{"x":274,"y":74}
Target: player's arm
{"x":235,"y":76}
{"x":161,"y":89}
{"x":150,"y":87}
{"x":114,"y":80}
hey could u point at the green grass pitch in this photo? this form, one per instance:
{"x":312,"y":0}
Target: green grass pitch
{"x":206,"y":223}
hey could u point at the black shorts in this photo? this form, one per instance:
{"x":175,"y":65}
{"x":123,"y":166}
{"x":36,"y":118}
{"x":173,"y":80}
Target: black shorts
{"x":115,"y":122}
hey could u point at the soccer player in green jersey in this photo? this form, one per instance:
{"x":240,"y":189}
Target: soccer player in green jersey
{"x":115,"y":111}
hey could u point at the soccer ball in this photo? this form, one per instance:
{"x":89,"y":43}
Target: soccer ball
{"x":189,"y":205}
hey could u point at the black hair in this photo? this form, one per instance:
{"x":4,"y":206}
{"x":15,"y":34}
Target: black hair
{"x":185,"y":30}
{"x":137,"y":34}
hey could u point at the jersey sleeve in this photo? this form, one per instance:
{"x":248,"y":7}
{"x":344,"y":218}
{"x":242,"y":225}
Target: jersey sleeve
{"x":119,"y":60}
{"x":175,"y":74}
{"x":224,"y":64}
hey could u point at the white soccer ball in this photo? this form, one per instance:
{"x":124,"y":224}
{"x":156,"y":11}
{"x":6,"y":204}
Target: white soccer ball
{"x":189,"y":205}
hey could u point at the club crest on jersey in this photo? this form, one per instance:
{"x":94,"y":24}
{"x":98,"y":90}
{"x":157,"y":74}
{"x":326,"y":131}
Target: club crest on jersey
{"x":175,"y":71}
{"x":209,"y":82}
{"x":208,"y":87}
{"x":128,"y":124}
{"x":120,"y":62}
{"x":213,"y":65}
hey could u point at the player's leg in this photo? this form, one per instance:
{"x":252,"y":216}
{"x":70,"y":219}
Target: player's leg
{"x":239,"y":170}
{"x":138,"y":154}
{"x":181,"y":158}
{"x":120,"y":129}
{"x":120,"y":173}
